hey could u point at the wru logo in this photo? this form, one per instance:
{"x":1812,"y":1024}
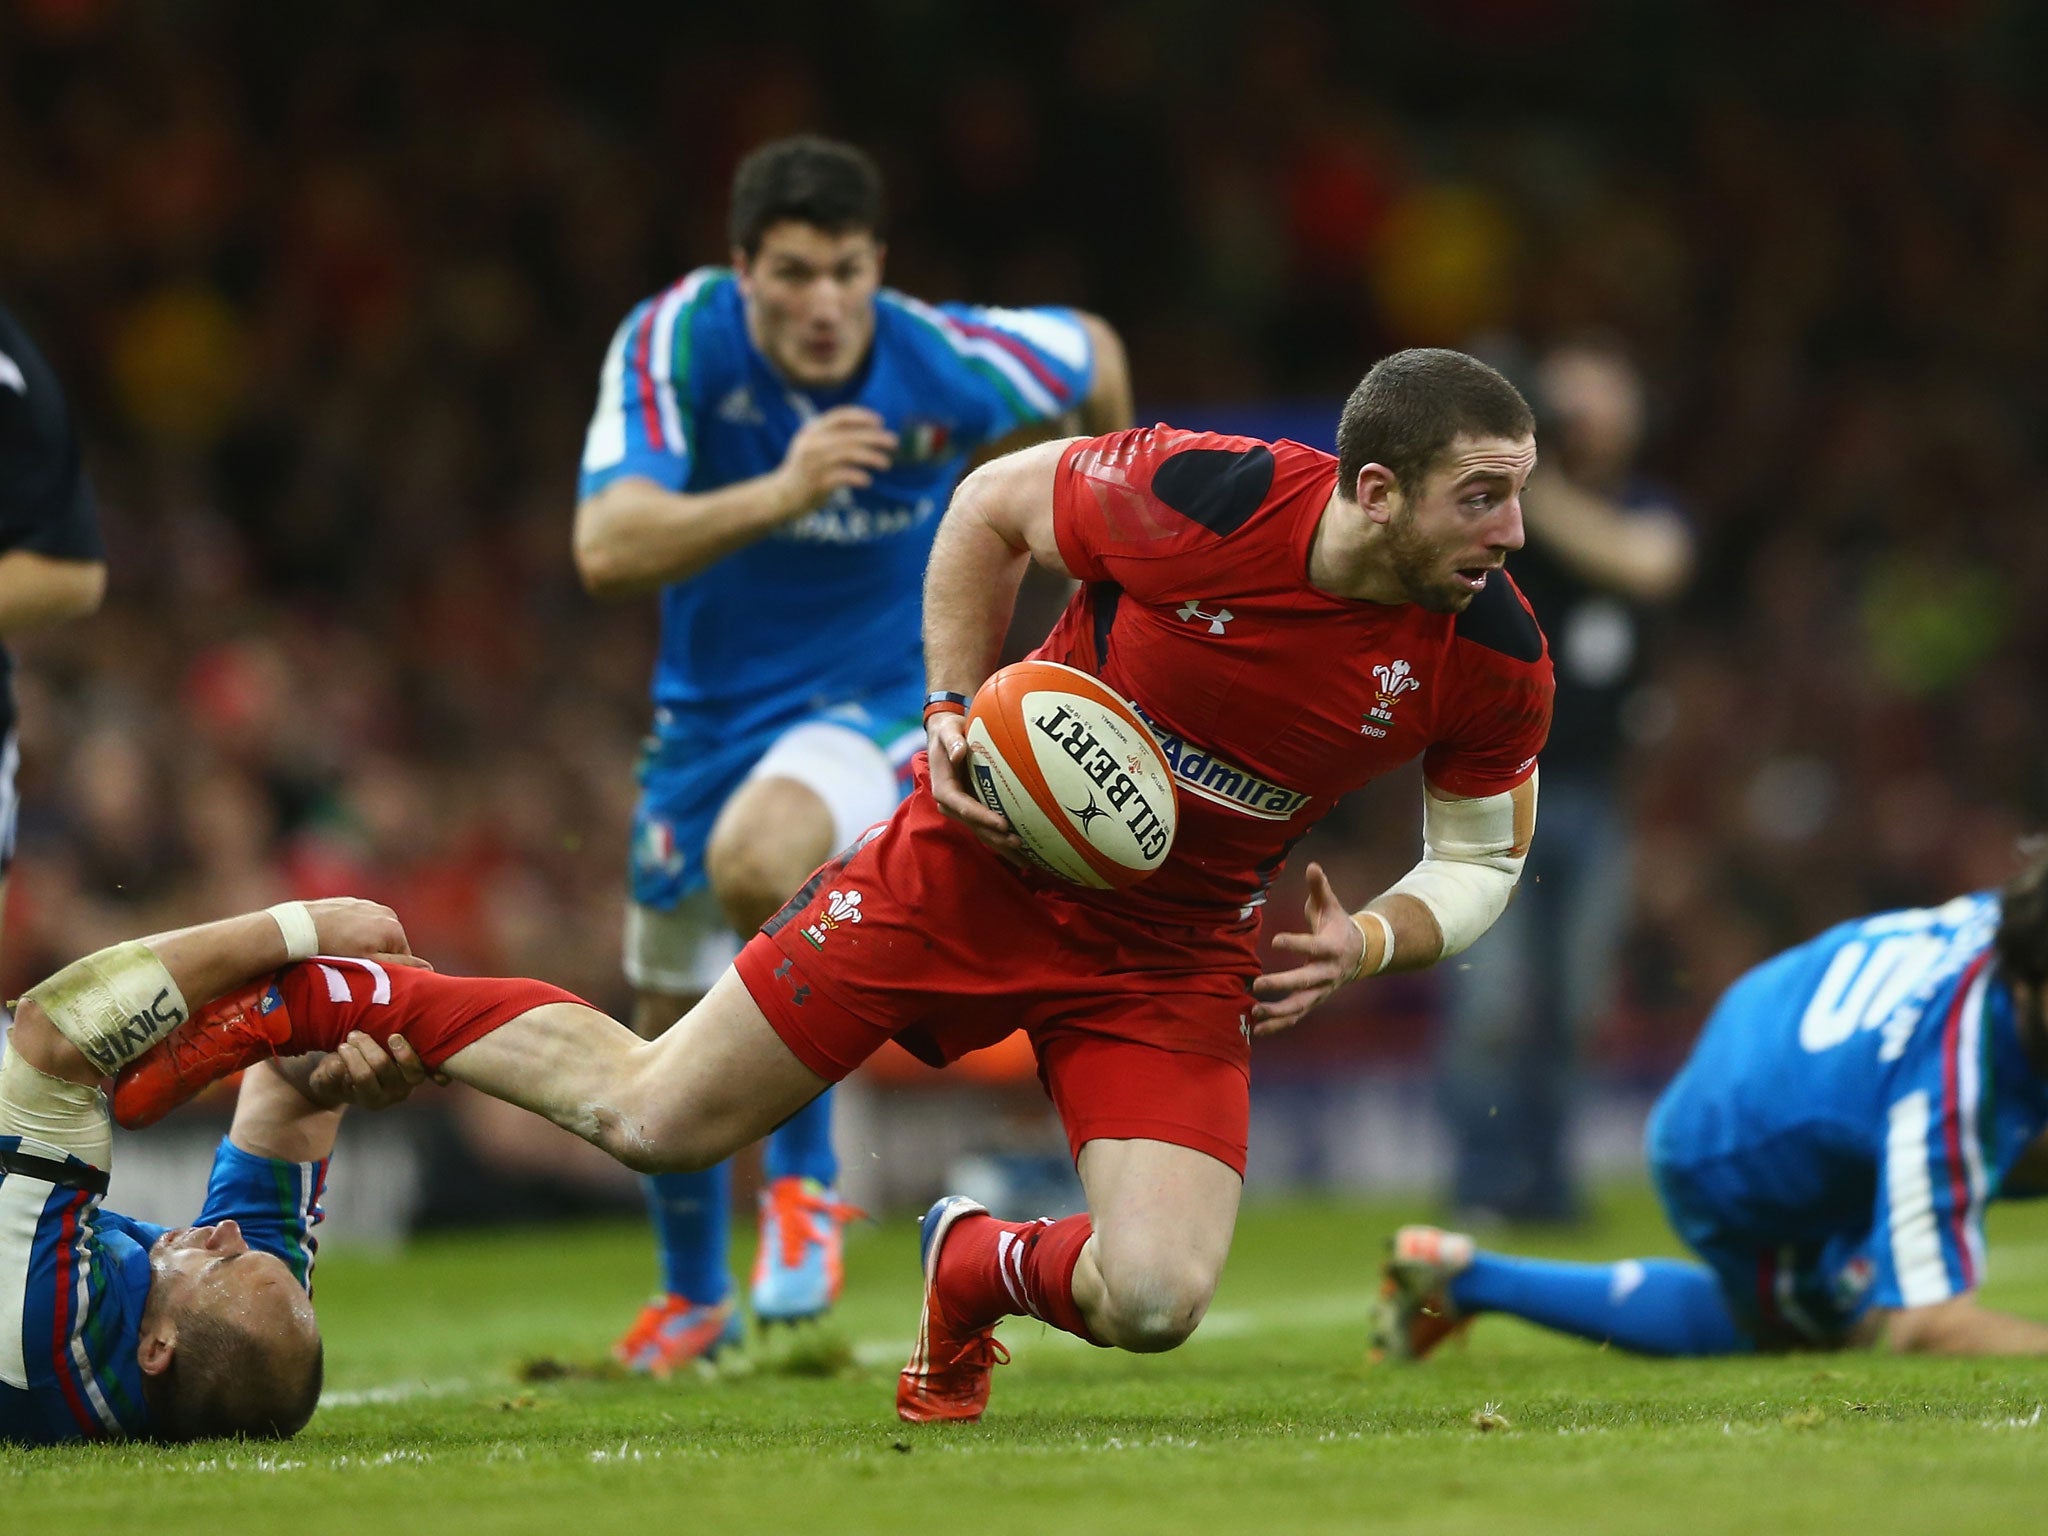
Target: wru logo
{"x":841,"y":908}
{"x":1394,"y":680}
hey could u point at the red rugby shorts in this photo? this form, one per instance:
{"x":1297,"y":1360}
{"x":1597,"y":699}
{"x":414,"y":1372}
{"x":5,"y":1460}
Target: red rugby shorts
{"x":921,"y":935}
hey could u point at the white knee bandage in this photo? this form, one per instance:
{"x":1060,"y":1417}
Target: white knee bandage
{"x":1471,"y":861}
{"x":70,"y":1117}
{"x":114,"y":1004}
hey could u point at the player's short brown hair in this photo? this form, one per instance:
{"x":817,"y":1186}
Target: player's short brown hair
{"x":1412,"y":406}
{"x":226,"y":1383}
{"x":2022,"y":942}
{"x":820,"y":182}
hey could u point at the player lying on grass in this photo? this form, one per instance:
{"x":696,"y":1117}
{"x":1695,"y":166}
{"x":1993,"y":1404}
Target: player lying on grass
{"x":1294,"y":625}
{"x":111,"y":1327}
{"x":1828,"y":1151}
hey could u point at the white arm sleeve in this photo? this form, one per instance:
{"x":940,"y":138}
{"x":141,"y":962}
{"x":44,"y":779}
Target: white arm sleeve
{"x":1470,"y":864}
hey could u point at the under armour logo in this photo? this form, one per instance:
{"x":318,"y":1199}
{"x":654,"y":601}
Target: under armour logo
{"x":800,"y":992}
{"x":1192,"y":609}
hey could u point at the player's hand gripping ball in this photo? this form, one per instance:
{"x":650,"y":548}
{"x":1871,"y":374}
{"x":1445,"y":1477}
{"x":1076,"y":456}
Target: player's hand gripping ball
{"x":1075,"y":770}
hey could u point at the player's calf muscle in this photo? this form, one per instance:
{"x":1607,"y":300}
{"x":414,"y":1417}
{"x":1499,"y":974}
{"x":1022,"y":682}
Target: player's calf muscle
{"x":574,"y":1066}
{"x":673,"y":1105}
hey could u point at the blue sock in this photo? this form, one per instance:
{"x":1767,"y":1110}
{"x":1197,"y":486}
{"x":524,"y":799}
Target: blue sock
{"x":1652,"y":1306}
{"x":801,"y":1147}
{"x":692,"y":1215}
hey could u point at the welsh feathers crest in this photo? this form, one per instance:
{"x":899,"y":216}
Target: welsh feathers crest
{"x":1394,"y":679}
{"x":841,"y":908}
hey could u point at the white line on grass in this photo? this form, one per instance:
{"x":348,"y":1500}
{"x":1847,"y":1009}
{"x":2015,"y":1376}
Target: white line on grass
{"x":395,"y":1392}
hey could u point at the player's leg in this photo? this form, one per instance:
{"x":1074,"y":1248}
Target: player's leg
{"x":677,"y":944}
{"x":673,"y":956}
{"x":1436,"y":1280}
{"x":768,"y":838}
{"x":718,"y":1080}
{"x":813,"y":792}
{"x":1494,"y":1000}
{"x":1137,"y":1270}
{"x":1163,"y":1217}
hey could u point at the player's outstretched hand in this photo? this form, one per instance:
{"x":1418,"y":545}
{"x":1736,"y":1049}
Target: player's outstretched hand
{"x":1331,"y":948}
{"x":840,"y":449}
{"x":365,"y":1075}
{"x":348,"y":925}
{"x":946,"y":741}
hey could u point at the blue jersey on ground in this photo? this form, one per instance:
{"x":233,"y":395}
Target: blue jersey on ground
{"x":74,"y":1280}
{"x":821,"y":619}
{"x":1848,"y":1112}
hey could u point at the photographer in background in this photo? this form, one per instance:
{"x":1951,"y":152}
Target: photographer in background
{"x":1602,"y":552}
{"x":52,"y":566}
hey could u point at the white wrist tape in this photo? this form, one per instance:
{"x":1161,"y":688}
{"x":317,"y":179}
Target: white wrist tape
{"x":114,"y":1004}
{"x":1469,"y":865}
{"x":69,"y":1117}
{"x":295,"y":922}
{"x":1386,"y":943}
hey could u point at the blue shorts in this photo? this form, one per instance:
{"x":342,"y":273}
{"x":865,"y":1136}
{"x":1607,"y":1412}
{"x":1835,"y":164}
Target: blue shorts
{"x":687,"y":773}
{"x":1787,"y":1291}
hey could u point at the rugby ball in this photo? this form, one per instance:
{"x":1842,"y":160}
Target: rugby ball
{"x":1075,"y":770}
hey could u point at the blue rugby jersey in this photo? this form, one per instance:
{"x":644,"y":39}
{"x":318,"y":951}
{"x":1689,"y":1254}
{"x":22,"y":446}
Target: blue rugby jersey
{"x":1872,"y":1080}
{"x":74,"y":1280}
{"x":828,"y":608}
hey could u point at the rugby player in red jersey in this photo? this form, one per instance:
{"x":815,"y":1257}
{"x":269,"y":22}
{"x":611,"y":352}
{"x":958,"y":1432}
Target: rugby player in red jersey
{"x":1292,"y":625}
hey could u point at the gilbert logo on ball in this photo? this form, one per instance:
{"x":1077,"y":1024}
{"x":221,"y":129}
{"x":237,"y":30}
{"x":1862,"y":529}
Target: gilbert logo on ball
{"x":1075,"y":770}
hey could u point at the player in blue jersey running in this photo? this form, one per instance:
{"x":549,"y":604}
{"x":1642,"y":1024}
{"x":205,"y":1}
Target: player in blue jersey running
{"x":114,"y":1328}
{"x":772,"y":447}
{"x":1850,"y":1109}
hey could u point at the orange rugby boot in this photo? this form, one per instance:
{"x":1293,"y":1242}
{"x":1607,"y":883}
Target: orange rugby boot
{"x":673,"y":1332}
{"x":1414,"y":1313}
{"x":233,"y":1032}
{"x":798,"y":1268}
{"x":947,"y":1377}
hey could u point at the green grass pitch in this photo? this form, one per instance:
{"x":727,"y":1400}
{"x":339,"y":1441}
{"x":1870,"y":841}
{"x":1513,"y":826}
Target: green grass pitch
{"x":1269,"y":1421}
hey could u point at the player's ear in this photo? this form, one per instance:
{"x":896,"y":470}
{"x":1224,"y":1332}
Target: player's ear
{"x":156,"y":1349}
{"x":1377,"y":492}
{"x":743,"y":269}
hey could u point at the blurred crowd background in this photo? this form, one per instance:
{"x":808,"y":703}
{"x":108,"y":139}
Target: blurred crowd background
{"x":329,"y":287}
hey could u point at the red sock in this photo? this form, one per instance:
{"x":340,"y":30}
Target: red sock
{"x":438,"y":1015}
{"x":1004,"y":1268}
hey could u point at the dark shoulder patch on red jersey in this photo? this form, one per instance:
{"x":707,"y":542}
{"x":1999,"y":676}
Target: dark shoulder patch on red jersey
{"x":1220,"y":488}
{"x":1498,"y":620}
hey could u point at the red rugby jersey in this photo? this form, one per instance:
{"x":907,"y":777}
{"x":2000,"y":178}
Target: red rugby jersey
{"x":1271,"y":698}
